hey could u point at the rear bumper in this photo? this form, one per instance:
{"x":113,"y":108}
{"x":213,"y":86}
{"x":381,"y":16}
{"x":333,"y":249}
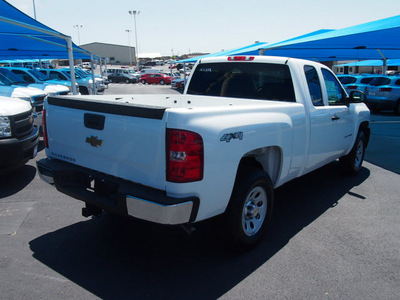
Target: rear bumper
{"x":117,"y":195}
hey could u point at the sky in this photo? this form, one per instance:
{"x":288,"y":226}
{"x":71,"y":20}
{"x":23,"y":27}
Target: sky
{"x":178,"y":27}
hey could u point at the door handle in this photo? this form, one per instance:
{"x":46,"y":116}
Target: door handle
{"x":335,"y":117}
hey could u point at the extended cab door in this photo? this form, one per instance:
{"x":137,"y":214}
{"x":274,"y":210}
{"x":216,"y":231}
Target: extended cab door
{"x":331,"y":124}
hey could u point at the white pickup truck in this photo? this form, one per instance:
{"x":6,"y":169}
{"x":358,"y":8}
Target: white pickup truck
{"x":244,"y":126}
{"x":19,"y":138}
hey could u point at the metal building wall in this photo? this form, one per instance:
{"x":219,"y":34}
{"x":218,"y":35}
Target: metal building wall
{"x":115,"y":54}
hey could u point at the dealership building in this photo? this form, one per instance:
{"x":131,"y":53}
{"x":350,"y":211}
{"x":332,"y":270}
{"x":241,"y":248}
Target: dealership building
{"x":114,"y":54}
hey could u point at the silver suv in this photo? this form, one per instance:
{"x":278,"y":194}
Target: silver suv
{"x":383,"y":93}
{"x":356,"y":82}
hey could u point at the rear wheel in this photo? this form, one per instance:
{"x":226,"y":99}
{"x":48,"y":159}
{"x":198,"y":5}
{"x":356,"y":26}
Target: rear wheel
{"x":143,"y":81}
{"x":127,"y":81}
{"x":250,"y":207}
{"x":351,"y":163}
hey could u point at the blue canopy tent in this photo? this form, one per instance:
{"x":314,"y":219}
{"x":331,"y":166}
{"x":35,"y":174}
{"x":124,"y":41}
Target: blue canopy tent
{"x":373,"y":40}
{"x":252,"y":49}
{"x":22,"y":37}
{"x":371,"y":63}
{"x":247,"y":50}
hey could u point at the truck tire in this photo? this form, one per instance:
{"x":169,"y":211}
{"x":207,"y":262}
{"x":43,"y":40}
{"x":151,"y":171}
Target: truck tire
{"x":84,"y":90}
{"x":250,"y":207}
{"x":351,"y":163}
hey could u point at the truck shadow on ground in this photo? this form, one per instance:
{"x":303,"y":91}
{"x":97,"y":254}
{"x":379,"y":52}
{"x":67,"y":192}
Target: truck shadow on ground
{"x":15,"y":181}
{"x":117,"y":258}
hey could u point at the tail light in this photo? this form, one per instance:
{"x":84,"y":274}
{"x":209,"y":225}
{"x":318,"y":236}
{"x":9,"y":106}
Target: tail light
{"x":385,"y":89}
{"x":352,"y":87}
{"x":240,"y":58}
{"x":184,"y":156}
{"x":44,"y":129}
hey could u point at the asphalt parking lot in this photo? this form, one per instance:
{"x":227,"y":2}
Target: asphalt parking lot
{"x":331,"y":237}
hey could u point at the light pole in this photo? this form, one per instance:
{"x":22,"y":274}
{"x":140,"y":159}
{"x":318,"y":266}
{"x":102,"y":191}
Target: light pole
{"x":134,"y":13}
{"x":129,"y":46}
{"x":34,"y":9}
{"x":79,"y":35}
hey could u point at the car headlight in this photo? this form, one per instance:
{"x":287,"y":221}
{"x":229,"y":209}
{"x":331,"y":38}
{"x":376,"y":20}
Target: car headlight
{"x":5,"y":127}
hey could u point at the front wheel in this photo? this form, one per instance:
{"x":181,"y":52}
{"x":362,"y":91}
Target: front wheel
{"x":250,"y":207}
{"x":351,"y":163}
{"x":143,"y":81}
{"x":162,"y":82}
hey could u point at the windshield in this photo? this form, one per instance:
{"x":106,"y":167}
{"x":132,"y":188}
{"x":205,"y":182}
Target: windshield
{"x":9,"y":78}
{"x":262,"y":81}
{"x":38,"y":75}
{"x":77,"y":76}
{"x":81,"y":73}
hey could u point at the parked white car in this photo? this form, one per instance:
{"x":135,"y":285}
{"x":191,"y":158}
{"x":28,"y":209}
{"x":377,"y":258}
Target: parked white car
{"x":356,"y":82}
{"x":383,"y":93}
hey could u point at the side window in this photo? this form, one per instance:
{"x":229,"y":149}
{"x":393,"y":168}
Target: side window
{"x":314,"y":86}
{"x":55,"y":75}
{"x":335,"y":92}
{"x":25,"y":76}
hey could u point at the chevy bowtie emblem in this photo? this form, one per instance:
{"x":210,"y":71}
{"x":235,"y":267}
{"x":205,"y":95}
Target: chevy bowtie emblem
{"x":94,"y":141}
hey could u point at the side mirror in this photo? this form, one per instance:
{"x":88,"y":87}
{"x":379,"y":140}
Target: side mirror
{"x":357,"y":97}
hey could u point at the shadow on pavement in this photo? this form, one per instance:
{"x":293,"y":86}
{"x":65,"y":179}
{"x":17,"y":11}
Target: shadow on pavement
{"x":117,"y":258}
{"x":384,"y":146}
{"x":16,"y":180}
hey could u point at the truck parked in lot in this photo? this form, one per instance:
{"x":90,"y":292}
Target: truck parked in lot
{"x":32,"y":76}
{"x":19,"y":137}
{"x":85,"y":84}
{"x":32,"y":95}
{"x":244,"y":126}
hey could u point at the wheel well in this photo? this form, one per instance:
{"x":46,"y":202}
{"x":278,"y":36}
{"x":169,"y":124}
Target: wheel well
{"x":268,"y":159}
{"x":364,"y":126}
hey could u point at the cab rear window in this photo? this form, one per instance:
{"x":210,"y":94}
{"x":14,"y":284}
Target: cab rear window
{"x":261,"y":81}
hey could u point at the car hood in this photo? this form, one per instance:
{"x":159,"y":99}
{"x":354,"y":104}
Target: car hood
{"x":11,"y":106}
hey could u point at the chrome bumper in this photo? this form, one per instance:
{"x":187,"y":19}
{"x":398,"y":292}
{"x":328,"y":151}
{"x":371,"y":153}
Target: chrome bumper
{"x":159,"y":213}
{"x":117,"y":195}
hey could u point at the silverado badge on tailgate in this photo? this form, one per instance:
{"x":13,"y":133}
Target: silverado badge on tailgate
{"x":94,"y":141}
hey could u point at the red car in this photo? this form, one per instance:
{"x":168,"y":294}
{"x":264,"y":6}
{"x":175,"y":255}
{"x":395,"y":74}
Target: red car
{"x":155,"y":78}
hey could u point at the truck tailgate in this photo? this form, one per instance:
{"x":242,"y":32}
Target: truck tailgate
{"x":121,"y":139}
